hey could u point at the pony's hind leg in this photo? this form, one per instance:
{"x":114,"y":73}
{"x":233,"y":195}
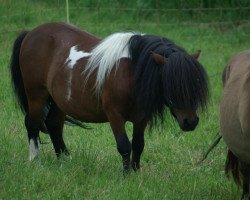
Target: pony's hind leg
{"x":33,"y":121}
{"x":245,"y":171}
{"x":54,"y":124}
{"x":137,"y":144}
{"x":33,"y":133}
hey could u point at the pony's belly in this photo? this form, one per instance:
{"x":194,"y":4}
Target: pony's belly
{"x":89,"y":117}
{"x":85,"y":111}
{"x":67,"y":92}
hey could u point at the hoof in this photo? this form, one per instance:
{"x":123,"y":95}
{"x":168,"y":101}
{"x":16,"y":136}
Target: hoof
{"x":135,"y":166}
{"x":64,"y":156}
{"x":32,"y":157}
{"x":69,"y":157}
{"x":245,"y":196}
{"x":126,"y":172}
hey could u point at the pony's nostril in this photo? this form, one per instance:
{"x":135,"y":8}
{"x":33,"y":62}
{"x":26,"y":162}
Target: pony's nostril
{"x":185,"y":122}
{"x":197,"y":120}
{"x":188,"y":123}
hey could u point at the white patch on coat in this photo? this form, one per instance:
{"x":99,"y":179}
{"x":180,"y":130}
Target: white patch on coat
{"x":33,"y":149}
{"x":69,"y":86}
{"x":74,"y":56}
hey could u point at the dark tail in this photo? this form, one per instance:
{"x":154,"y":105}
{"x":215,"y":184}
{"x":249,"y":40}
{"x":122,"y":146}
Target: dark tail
{"x":68,"y":119}
{"x":16,"y":75}
{"x":71,"y":121}
{"x":232,"y":168}
{"x":216,"y":142}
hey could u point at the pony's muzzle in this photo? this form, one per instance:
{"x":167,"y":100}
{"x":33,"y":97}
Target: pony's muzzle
{"x":186,"y":118}
{"x":189,"y":124}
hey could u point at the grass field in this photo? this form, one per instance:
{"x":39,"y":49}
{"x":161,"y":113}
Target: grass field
{"x":169,"y":169}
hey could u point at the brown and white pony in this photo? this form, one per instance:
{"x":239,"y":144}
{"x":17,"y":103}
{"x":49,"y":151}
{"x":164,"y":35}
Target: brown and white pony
{"x":59,"y":70}
{"x":235,"y":119}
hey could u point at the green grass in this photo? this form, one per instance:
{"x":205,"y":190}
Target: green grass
{"x":169,"y":169}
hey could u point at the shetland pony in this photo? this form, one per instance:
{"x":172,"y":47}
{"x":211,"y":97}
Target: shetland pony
{"x":59,"y":70}
{"x":235,"y":119}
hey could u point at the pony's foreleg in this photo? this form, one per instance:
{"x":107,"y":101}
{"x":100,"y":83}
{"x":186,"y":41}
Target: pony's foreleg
{"x":245,"y":171}
{"x":54,"y":124}
{"x":137,"y":144}
{"x":117,"y":124}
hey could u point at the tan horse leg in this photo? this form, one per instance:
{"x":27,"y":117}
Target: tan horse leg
{"x":137,"y":144}
{"x":117,"y":124}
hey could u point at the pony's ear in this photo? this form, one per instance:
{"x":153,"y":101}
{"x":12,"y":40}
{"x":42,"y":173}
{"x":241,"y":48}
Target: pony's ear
{"x":160,"y":60}
{"x":196,"y":54}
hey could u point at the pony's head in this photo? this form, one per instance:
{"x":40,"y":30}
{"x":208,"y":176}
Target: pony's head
{"x":185,"y":86}
{"x":166,"y":75}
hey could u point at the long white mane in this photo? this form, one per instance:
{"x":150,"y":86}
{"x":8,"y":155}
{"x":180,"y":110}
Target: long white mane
{"x":106,"y":55}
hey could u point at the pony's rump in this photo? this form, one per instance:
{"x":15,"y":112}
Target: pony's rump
{"x":19,"y":91}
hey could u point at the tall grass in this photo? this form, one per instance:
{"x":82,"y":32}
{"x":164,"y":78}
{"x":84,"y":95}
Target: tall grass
{"x":169,"y":169}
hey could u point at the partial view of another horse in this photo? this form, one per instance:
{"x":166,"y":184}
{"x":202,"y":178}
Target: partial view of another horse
{"x":235,"y":119}
{"x":59,"y":70}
